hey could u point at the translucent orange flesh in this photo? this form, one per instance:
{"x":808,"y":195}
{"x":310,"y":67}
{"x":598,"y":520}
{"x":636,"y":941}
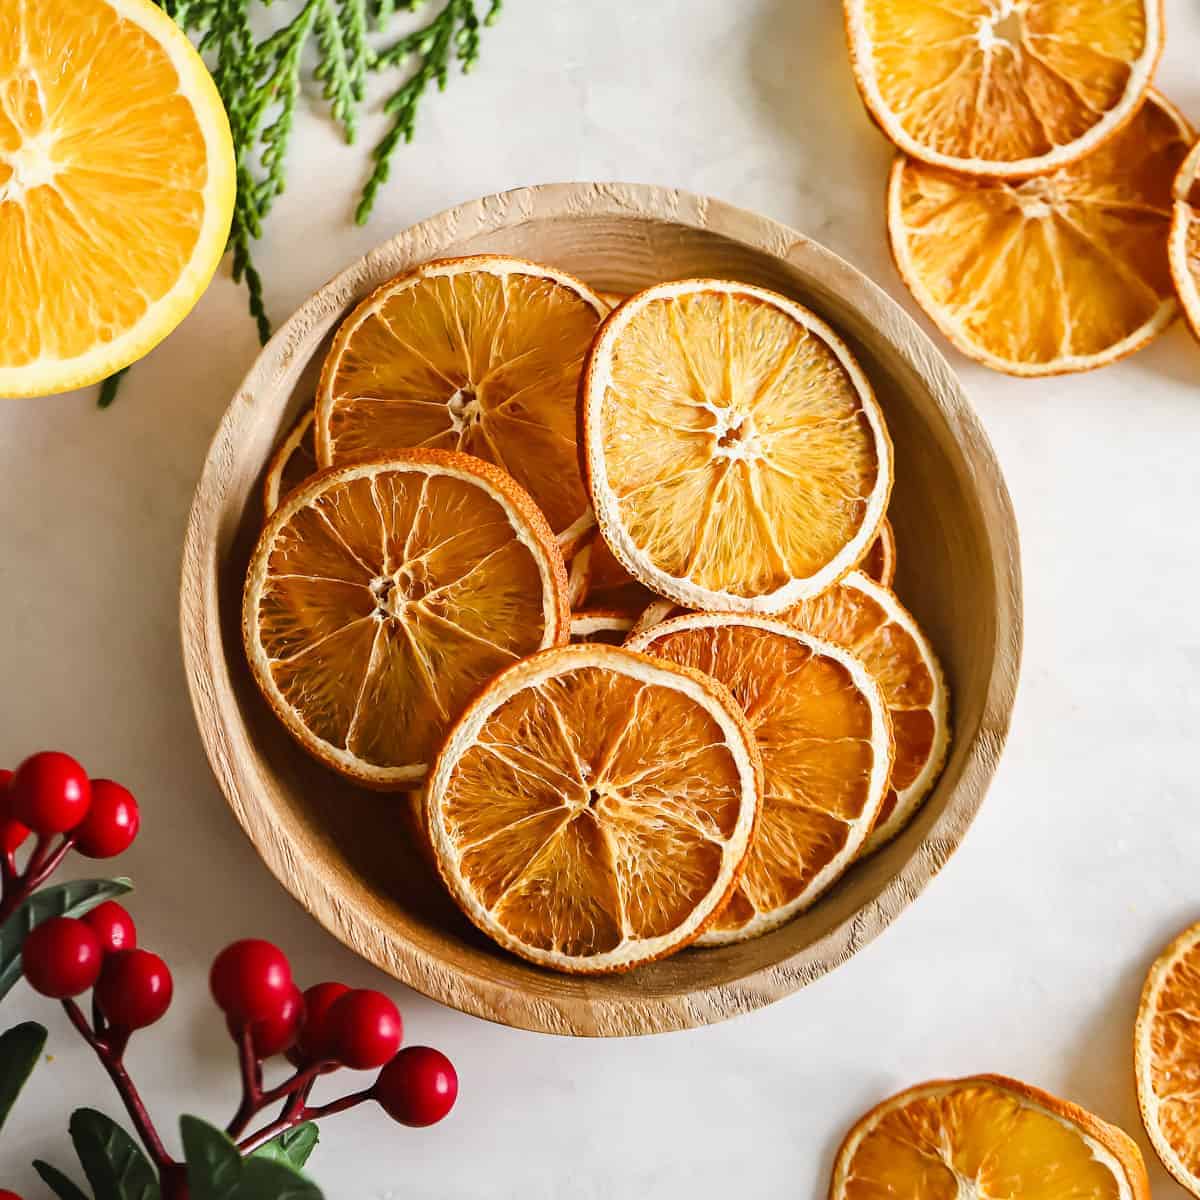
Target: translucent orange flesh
{"x":301,"y":463}
{"x":102,"y":173}
{"x":1064,"y":265}
{"x":735,"y":443}
{"x":593,"y":808}
{"x":813,"y":728}
{"x":479,"y":362}
{"x":985,"y":79}
{"x":1175,"y":1057}
{"x":389,"y":602}
{"x":975,"y":1140}
{"x":852,"y":619}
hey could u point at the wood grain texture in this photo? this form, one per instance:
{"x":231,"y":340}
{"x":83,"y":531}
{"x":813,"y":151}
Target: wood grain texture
{"x":347,"y":855}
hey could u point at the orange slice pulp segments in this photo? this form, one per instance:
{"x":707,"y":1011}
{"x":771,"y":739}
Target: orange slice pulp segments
{"x":1004,"y":88}
{"x":1184,"y":253}
{"x":294,"y":461}
{"x":1061,"y":273}
{"x":985,"y":1136}
{"x":880,"y":561}
{"x":383,"y":594}
{"x":479,"y":355}
{"x":592,"y":808}
{"x":825,"y":740}
{"x":116,"y":188}
{"x":735,"y":454}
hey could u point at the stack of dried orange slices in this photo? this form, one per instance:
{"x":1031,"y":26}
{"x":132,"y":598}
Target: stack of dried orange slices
{"x":1040,"y":208}
{"x":499,"y":463}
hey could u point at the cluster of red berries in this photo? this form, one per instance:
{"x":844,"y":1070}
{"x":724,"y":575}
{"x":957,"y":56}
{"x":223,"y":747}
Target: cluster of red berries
{"x":328,"y":1026}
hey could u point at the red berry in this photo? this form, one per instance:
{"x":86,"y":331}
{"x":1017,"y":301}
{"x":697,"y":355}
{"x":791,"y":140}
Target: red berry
{"x":50,"y":792}
{"x":111,"y":823}
{"x":61,"y":957}
{"x":12,"y":832}
{"x":7,"y":1195}
{"x":418,"y":1087}
{"x":365,"y":1027}
{"x":316,"y":1041}
{"x":251,"y":980}
{"x":134,"y":989}
{"x":113,"y":926}
{"x":276,"y":1034}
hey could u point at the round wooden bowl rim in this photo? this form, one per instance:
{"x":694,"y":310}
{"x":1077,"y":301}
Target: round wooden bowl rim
{"x":226,"y":743}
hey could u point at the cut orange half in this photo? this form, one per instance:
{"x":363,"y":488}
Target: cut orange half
{"x":600,"y":625}
{"x":826,"y":744}
{"x":735,"y":454}
{"x":1061,"y":273}
{"x":1184,"y":252}
{"x":986,"y":1136}
{"x":1003,"y":88}
{"x":294,"y":460}
{"x":592,"y":808}
{"x":479,"y":355}
{"x":880,"y":562}
{"x":1167,"y":1057}
{"x":869,"y":621}
{"x":383,"y":594}
{"x":116,"y":188}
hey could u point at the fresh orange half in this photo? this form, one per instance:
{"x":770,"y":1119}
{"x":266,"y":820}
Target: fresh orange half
{"x":592,"y":808}
{"x":600,"y":625}
{"x":735,"y":454}
{"x":383,"y":594}
{"x":985,"y":1136}
{"x":116,"y":187}
{"x":294,"y":460}
{"x":1184,"y":252}
{"x":1061,"y":273}
{"x":1167,"y":1057}
{"x":826,"y":744}
{"x":880,"y":562}
{"x":869,"y":621}
{"x":1003,"y":88}
{"x":480,"y":355}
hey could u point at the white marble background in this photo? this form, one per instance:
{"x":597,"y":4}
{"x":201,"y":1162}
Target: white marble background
{"x":1025,"y":956}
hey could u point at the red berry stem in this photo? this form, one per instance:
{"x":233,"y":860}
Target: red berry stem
{"x":251,"y":1069}
{"x":18,"y":886}
{"x":296,"y":1114}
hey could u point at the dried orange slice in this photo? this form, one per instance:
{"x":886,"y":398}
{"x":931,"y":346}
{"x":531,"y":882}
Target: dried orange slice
{"x":116,"y":188}
{"x":735,"y":454}
{"x":480,"y":355}
{"x":600,"y":625}
{"x":611,"y":586}
{"x":592,"y":808}
{"x":294,"y":460}
{"x":1061,"y":273}
{"x":1003,"y":87}
{"x":612,"y":299}
{"x":1184,"y":252}
{"x":383,"y":594}
{"x":1166,"y":1044}
{"x":826,"y":744}
{"x":579,"y":576}
{"x":880,"y":562}
{"x":869,"y":621}
{"x":655,"y":613}
{"x":985,"y":1136}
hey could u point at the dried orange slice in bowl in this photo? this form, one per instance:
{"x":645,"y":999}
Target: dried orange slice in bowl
{"x":294,"y":461}
{"x":826,"y":744}
{"x":1184,"y":251}
{"x":986,"y":1136}
{"x":592,"y":809}
{"x":1003,"y":88}
{"x":383,"y":594}
{"x":735,"y":454}
{"x":480,"y":355}
{"x":880,"y":562}
{"x":1065,"y":272}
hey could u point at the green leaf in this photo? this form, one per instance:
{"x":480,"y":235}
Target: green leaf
{"x":114,"y":1164}
{"x":58,"y":1183}
{"x":63,"y":900}
{"x":20,"y":1048}
{"x":217,"y":1172}
{"x":292,"y":1147}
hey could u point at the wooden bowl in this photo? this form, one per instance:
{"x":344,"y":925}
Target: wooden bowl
{"x":344,"y":853}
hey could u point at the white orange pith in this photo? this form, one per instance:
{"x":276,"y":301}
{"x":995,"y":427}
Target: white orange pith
{"x":592,"y":809}
{"x":870,"y":622}
{"x":1003,"y":88}
{"x":825,"y":739}
{"x":1184,"y":249}
{"x":479,"y":355}
{"x":116,"y":187}
{"x":600,"y":625}
{"x":736,"y":456}
{"x":383,"y":594}
{"x":1064,"y":272}
{"x":294,"y":460}
{"x":985,"y":1137}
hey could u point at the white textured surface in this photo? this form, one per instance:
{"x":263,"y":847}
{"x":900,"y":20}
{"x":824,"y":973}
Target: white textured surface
{"x":1025,"y":956}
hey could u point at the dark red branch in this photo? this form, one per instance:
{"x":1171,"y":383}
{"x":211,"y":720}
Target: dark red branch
{"x":295,"y":1114}
{"x":251,"y":1070}
{"x":44,"y":862}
